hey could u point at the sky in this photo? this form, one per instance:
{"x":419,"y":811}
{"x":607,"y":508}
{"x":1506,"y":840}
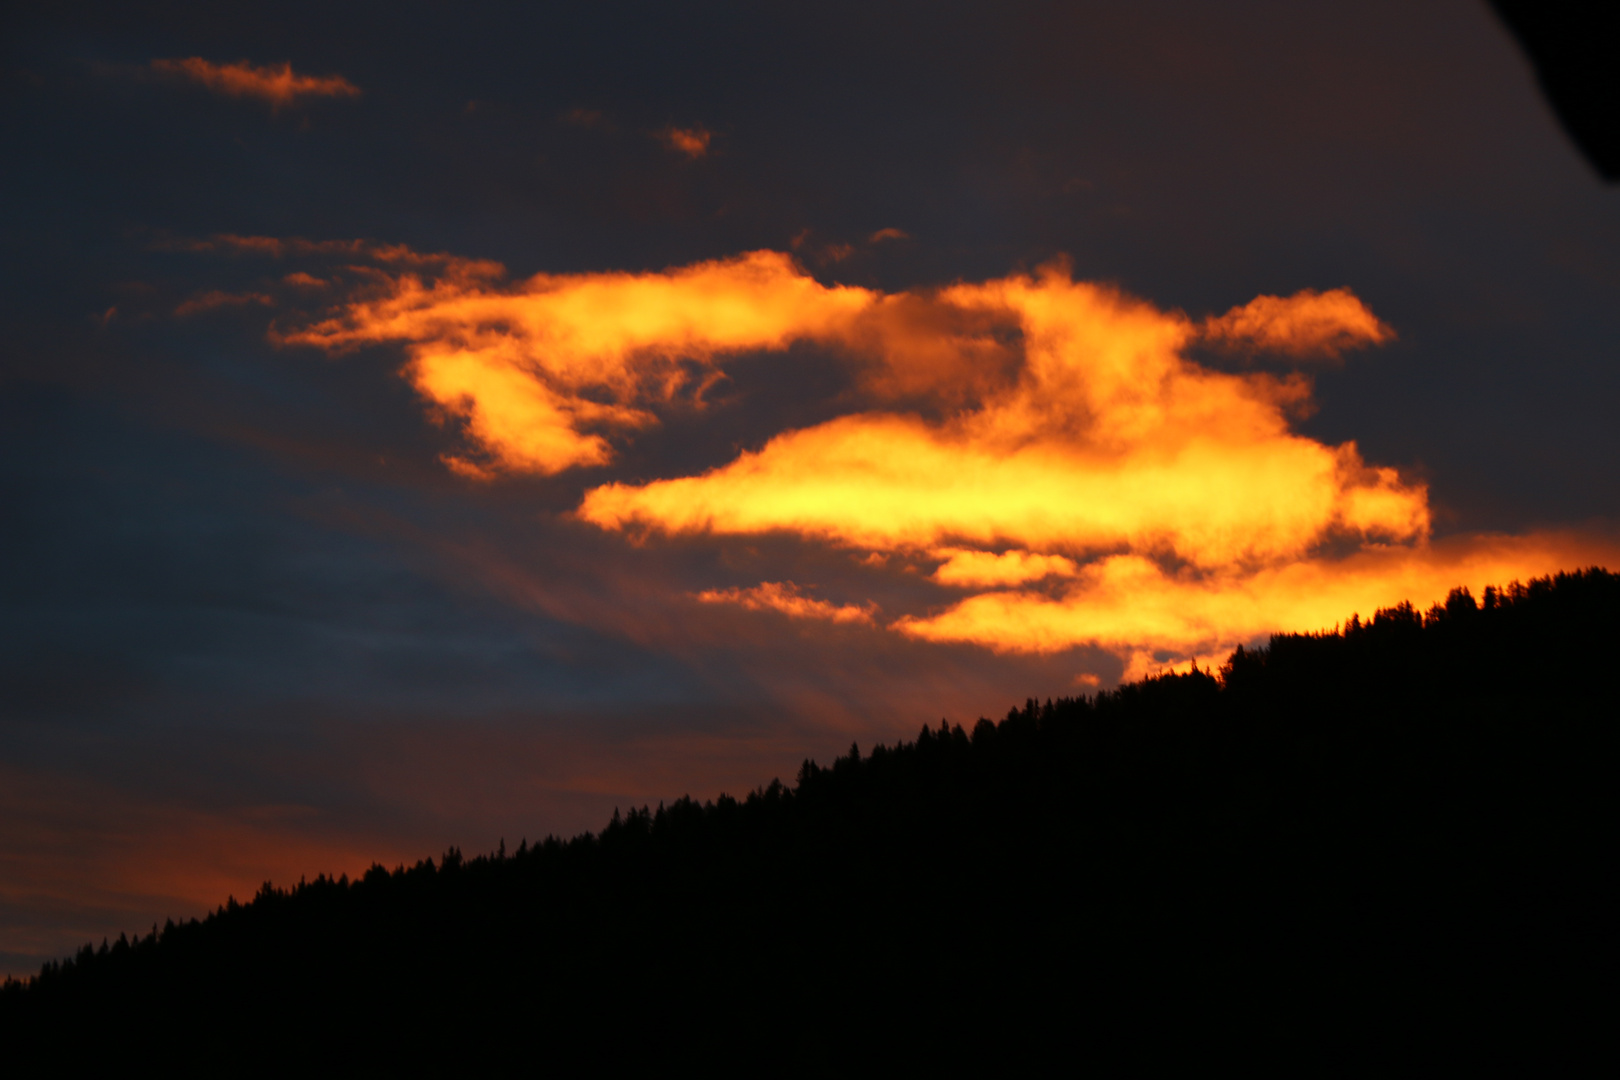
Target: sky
{"x":434,"y":425}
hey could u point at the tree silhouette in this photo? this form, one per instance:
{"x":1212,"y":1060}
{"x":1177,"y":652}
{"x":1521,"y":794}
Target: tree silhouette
{"x":1393,"y":834}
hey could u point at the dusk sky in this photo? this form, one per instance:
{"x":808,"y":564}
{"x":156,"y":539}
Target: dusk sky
{"x":433,"y":424}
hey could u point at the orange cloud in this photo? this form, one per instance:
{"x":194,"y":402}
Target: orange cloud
{"x":789,"y":599}
{"x":1307,"y":324}
{"x":1045,"y":444}
{"x":692,"y":141}
{"x":1110,"y":439}
{"x":972,"y":569}
{"x":1134,"y":605}
{"x":540,"y":371}
{"x":888,"y":234}
{"x":280,"y":86}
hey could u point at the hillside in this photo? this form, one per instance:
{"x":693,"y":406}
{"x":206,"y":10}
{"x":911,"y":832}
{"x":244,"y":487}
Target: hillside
{"x":1336,"y":842}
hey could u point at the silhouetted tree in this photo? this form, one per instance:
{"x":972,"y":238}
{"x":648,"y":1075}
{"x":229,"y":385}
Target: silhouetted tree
{"x":1337,"y":844}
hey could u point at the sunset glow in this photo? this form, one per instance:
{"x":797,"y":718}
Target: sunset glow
{"x":280,"y":86}
{"x":434,"y":424}
{"x":1133,"y":606}
{"x":528,"y":368}
{"x":693,"y":141}
{"x":1170,"y":509}
{"x":788,"y":599}
{"x":1305,"y":325}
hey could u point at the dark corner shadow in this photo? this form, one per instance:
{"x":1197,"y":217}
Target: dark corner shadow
{"x":1576,"y":51}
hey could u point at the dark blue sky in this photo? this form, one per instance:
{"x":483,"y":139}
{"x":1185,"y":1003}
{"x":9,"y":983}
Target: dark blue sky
{"x":253,"y":628}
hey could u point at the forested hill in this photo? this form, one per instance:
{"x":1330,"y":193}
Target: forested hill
{"x":1335,"y":843}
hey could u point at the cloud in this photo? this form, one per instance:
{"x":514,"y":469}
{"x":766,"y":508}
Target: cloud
{"x":1045,"y":444}
{"x":275,"y":247}
{"x":971,"y":569}
{"x":1305,"y":325}
{"x":790,"y":600}
{"x":1132,"y":605}
{"x":1109,"y":439}
{"x":542,"y":371}
{"x":215,"y":299}
{"x":693,"y":141}
{"x":280,"y":86}
{"x":888,"y":234}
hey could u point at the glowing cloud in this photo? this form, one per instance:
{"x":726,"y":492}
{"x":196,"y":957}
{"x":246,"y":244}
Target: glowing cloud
{"x":1109,"y":440}
{"x":1046,"y":445}
{"x":539,"y":371}
{"x":280,"y":86}
{"x":790,"y":600}
{"x":1131,"y":604}
{"x":1307,"y":324}
{"x":971,"y":569}
{"x":692,"y":141}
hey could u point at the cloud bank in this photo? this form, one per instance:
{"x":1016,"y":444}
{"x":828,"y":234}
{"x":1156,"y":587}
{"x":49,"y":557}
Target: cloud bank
{"x":1044,"y":444}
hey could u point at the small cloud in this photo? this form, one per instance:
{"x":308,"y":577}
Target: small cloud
{"x":789,"y":599}
{"x":888,"y":234}
{"x":106,"y":316}
{"x":1088,"y":680}
{"x":692,"y":141}
{"x":210,"y":301}
{"x":1309,"y":324}
{"x":305,"y":281}
{"x":463,"y":467}
{"x":279,"y":86}
{"x":269,"y":246}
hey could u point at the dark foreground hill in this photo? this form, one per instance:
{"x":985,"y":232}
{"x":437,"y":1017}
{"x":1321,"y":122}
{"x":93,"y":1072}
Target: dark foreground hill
{"x":1339,"y":849}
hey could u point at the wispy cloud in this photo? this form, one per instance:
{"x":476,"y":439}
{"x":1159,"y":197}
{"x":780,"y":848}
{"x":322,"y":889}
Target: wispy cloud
{"x":1307,"y":325}
{"x":215,"y":299}
{"x":789,"y":599}
{"x":280,"y":86}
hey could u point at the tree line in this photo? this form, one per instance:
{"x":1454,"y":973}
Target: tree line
{"x":1396,"y":830}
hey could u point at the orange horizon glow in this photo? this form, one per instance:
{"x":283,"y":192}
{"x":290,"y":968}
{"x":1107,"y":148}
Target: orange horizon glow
{"x":1134,"y":607}
{"x":1045,"y":445}
{"x":280,"y":86}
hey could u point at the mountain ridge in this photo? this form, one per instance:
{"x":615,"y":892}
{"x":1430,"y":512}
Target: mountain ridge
{"x":1391,"y":827}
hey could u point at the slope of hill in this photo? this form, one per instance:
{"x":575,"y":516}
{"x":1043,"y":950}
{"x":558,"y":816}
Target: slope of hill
{"x":1339,"y":842}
